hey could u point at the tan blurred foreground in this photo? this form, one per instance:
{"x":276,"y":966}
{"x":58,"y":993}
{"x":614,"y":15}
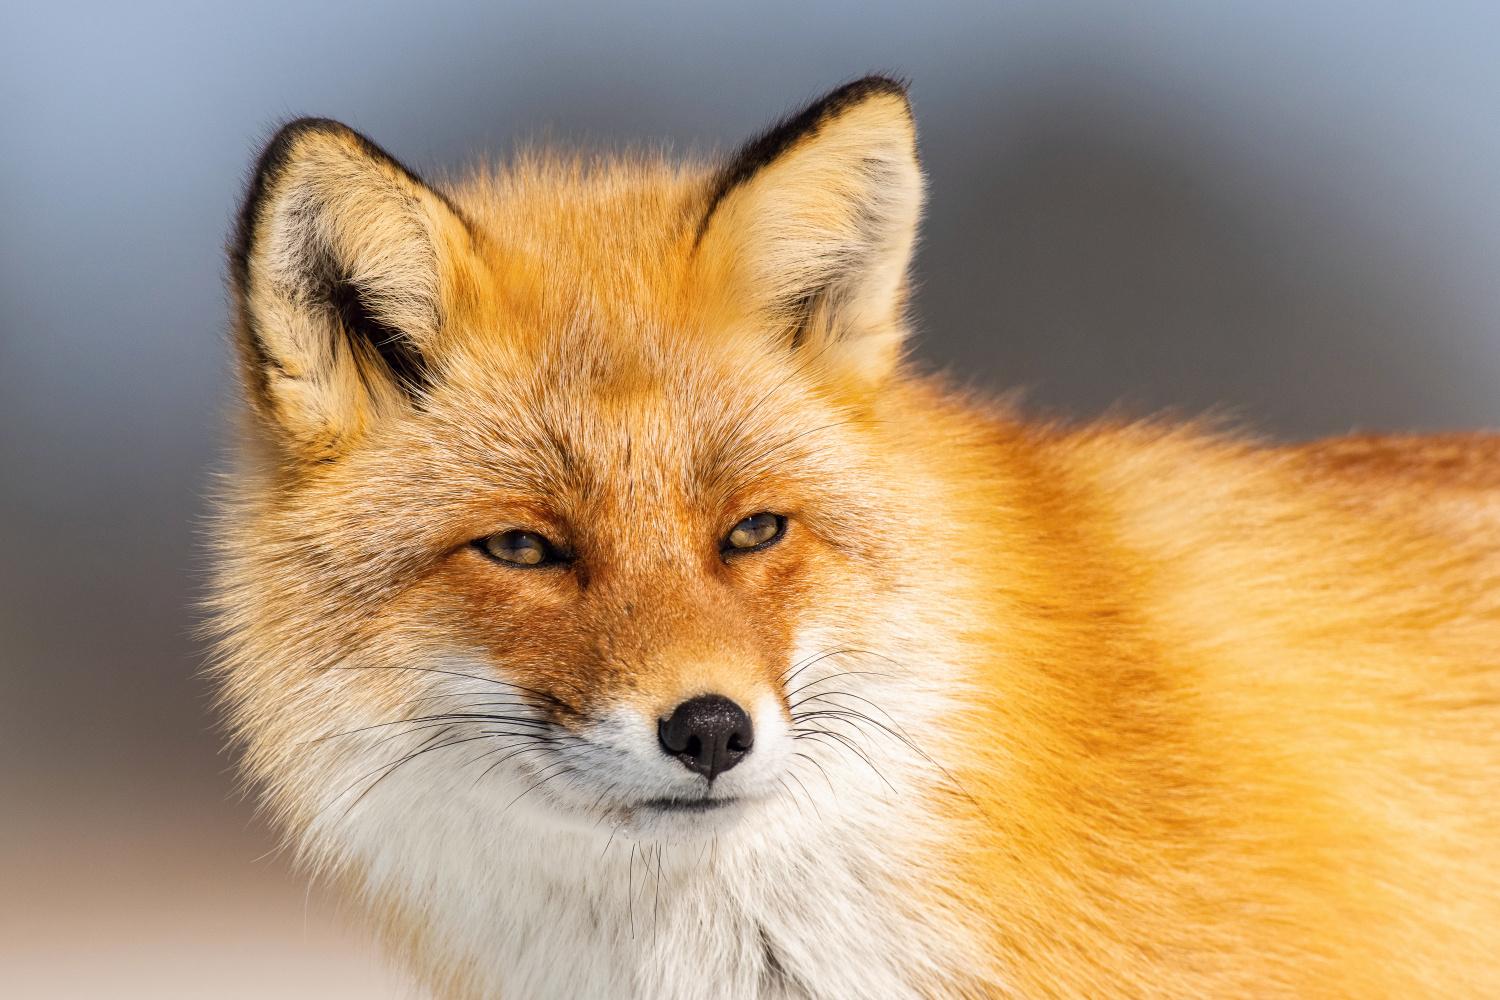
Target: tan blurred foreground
{"x":164,"y":896}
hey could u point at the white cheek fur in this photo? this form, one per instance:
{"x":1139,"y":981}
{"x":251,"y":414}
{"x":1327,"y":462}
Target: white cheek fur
{"x":519,"y":859}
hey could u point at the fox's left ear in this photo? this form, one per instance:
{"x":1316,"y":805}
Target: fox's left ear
{"x":810,"y":228}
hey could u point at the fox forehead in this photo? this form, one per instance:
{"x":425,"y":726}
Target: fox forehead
{"x":576,"y":399}
{"x":635,"y":443}
{"x":571,"y":248}
{"x":583,"y":346}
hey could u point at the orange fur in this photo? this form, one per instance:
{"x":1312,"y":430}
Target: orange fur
{"x":1225,"y":718}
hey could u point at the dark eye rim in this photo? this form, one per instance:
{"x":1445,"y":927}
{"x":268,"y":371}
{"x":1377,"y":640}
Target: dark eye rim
{"x":727,"y":550}
{"x":552,"y":556}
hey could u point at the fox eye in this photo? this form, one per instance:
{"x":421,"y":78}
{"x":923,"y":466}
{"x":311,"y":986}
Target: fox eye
{"x":755,"y":531}
{"x":519,"y":548}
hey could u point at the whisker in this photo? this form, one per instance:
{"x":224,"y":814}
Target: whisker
{"x":781,"y":782}
{"x":527,"y":746}
{"x":893,"y":730}
{"x":742,"y":463}
{"x":416,"y":721}
{"x":545,"y":696}
{"x":539,"y":783}
{"x":792,"y":672}
{"x":821,"y":770}
{"x":630,"y":889}
{"x":469,"y":698}
{"x":824,"y":695}
{"x":856,"y":718}
{"x":847,"y":742}
{"x":389,"y":768}
{"x":656,"y":902}
{"x":844,"y":673}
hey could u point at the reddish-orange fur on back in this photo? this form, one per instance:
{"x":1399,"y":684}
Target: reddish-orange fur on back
{"x":1172,"y":713}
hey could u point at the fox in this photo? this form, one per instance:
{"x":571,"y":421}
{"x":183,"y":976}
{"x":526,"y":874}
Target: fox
{"x":609,"y":606}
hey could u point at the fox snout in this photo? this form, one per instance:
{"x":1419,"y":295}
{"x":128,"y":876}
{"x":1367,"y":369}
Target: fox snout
{"x":709,"y":734}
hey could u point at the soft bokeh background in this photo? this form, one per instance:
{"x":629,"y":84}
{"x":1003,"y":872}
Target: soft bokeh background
{"x":1285,"y":211}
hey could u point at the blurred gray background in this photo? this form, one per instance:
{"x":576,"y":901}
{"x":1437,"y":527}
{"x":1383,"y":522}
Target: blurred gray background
{"x":1283,"y":212}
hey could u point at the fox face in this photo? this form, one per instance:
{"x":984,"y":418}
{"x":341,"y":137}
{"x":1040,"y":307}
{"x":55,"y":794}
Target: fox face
{"x":636,"y":574}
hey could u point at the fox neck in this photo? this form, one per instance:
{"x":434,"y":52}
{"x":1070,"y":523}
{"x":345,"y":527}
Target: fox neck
{"x":554,"y":916}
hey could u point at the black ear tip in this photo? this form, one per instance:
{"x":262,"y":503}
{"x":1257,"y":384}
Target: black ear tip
{"x":312,"y":123}
{"x":278,"y":149}
{"x":770,"y":144}
{"x":281,"y":145}
{"x":268,"y":165}
{"x":869,"y":86}
{"x":841,"y":98}
{"x":274,"y":156}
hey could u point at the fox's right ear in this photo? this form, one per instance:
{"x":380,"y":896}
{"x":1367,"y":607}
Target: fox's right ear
{"x":345,"y":268}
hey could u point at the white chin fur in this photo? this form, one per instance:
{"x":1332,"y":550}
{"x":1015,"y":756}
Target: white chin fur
{"x":539,"y":868}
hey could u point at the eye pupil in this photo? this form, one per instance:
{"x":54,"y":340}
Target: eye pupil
{"x":754,"y":530}
{"x":520,"y":548}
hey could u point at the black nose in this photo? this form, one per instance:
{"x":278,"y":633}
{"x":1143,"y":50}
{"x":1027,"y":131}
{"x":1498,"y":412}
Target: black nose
{"x":709,"y":734}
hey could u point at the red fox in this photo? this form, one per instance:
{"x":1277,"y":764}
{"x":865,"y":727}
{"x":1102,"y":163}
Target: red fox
{"x":611,"y":610}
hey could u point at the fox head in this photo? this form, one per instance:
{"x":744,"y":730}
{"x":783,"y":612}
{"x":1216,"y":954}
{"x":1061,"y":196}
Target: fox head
{"x":569,"y":485}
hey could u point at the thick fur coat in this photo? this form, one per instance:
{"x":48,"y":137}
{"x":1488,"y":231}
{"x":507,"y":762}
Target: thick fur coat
{"x":535,"y":461}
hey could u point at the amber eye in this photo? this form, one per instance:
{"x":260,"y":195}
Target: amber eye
{"x":519,"y":548}
{"x":755,"y":531}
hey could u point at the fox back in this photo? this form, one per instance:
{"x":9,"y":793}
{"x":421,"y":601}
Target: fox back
{"x":611,"y":611}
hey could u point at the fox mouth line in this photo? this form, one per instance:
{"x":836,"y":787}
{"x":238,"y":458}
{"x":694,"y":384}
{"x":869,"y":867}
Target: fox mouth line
{"x":687,"y":805}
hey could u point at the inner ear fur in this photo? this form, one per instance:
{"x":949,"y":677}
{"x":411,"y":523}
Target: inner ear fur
{"x":810,"y":228}
{"x":343,"y":268}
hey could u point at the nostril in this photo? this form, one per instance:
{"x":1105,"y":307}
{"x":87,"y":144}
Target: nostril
{"x":708,"y":734}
